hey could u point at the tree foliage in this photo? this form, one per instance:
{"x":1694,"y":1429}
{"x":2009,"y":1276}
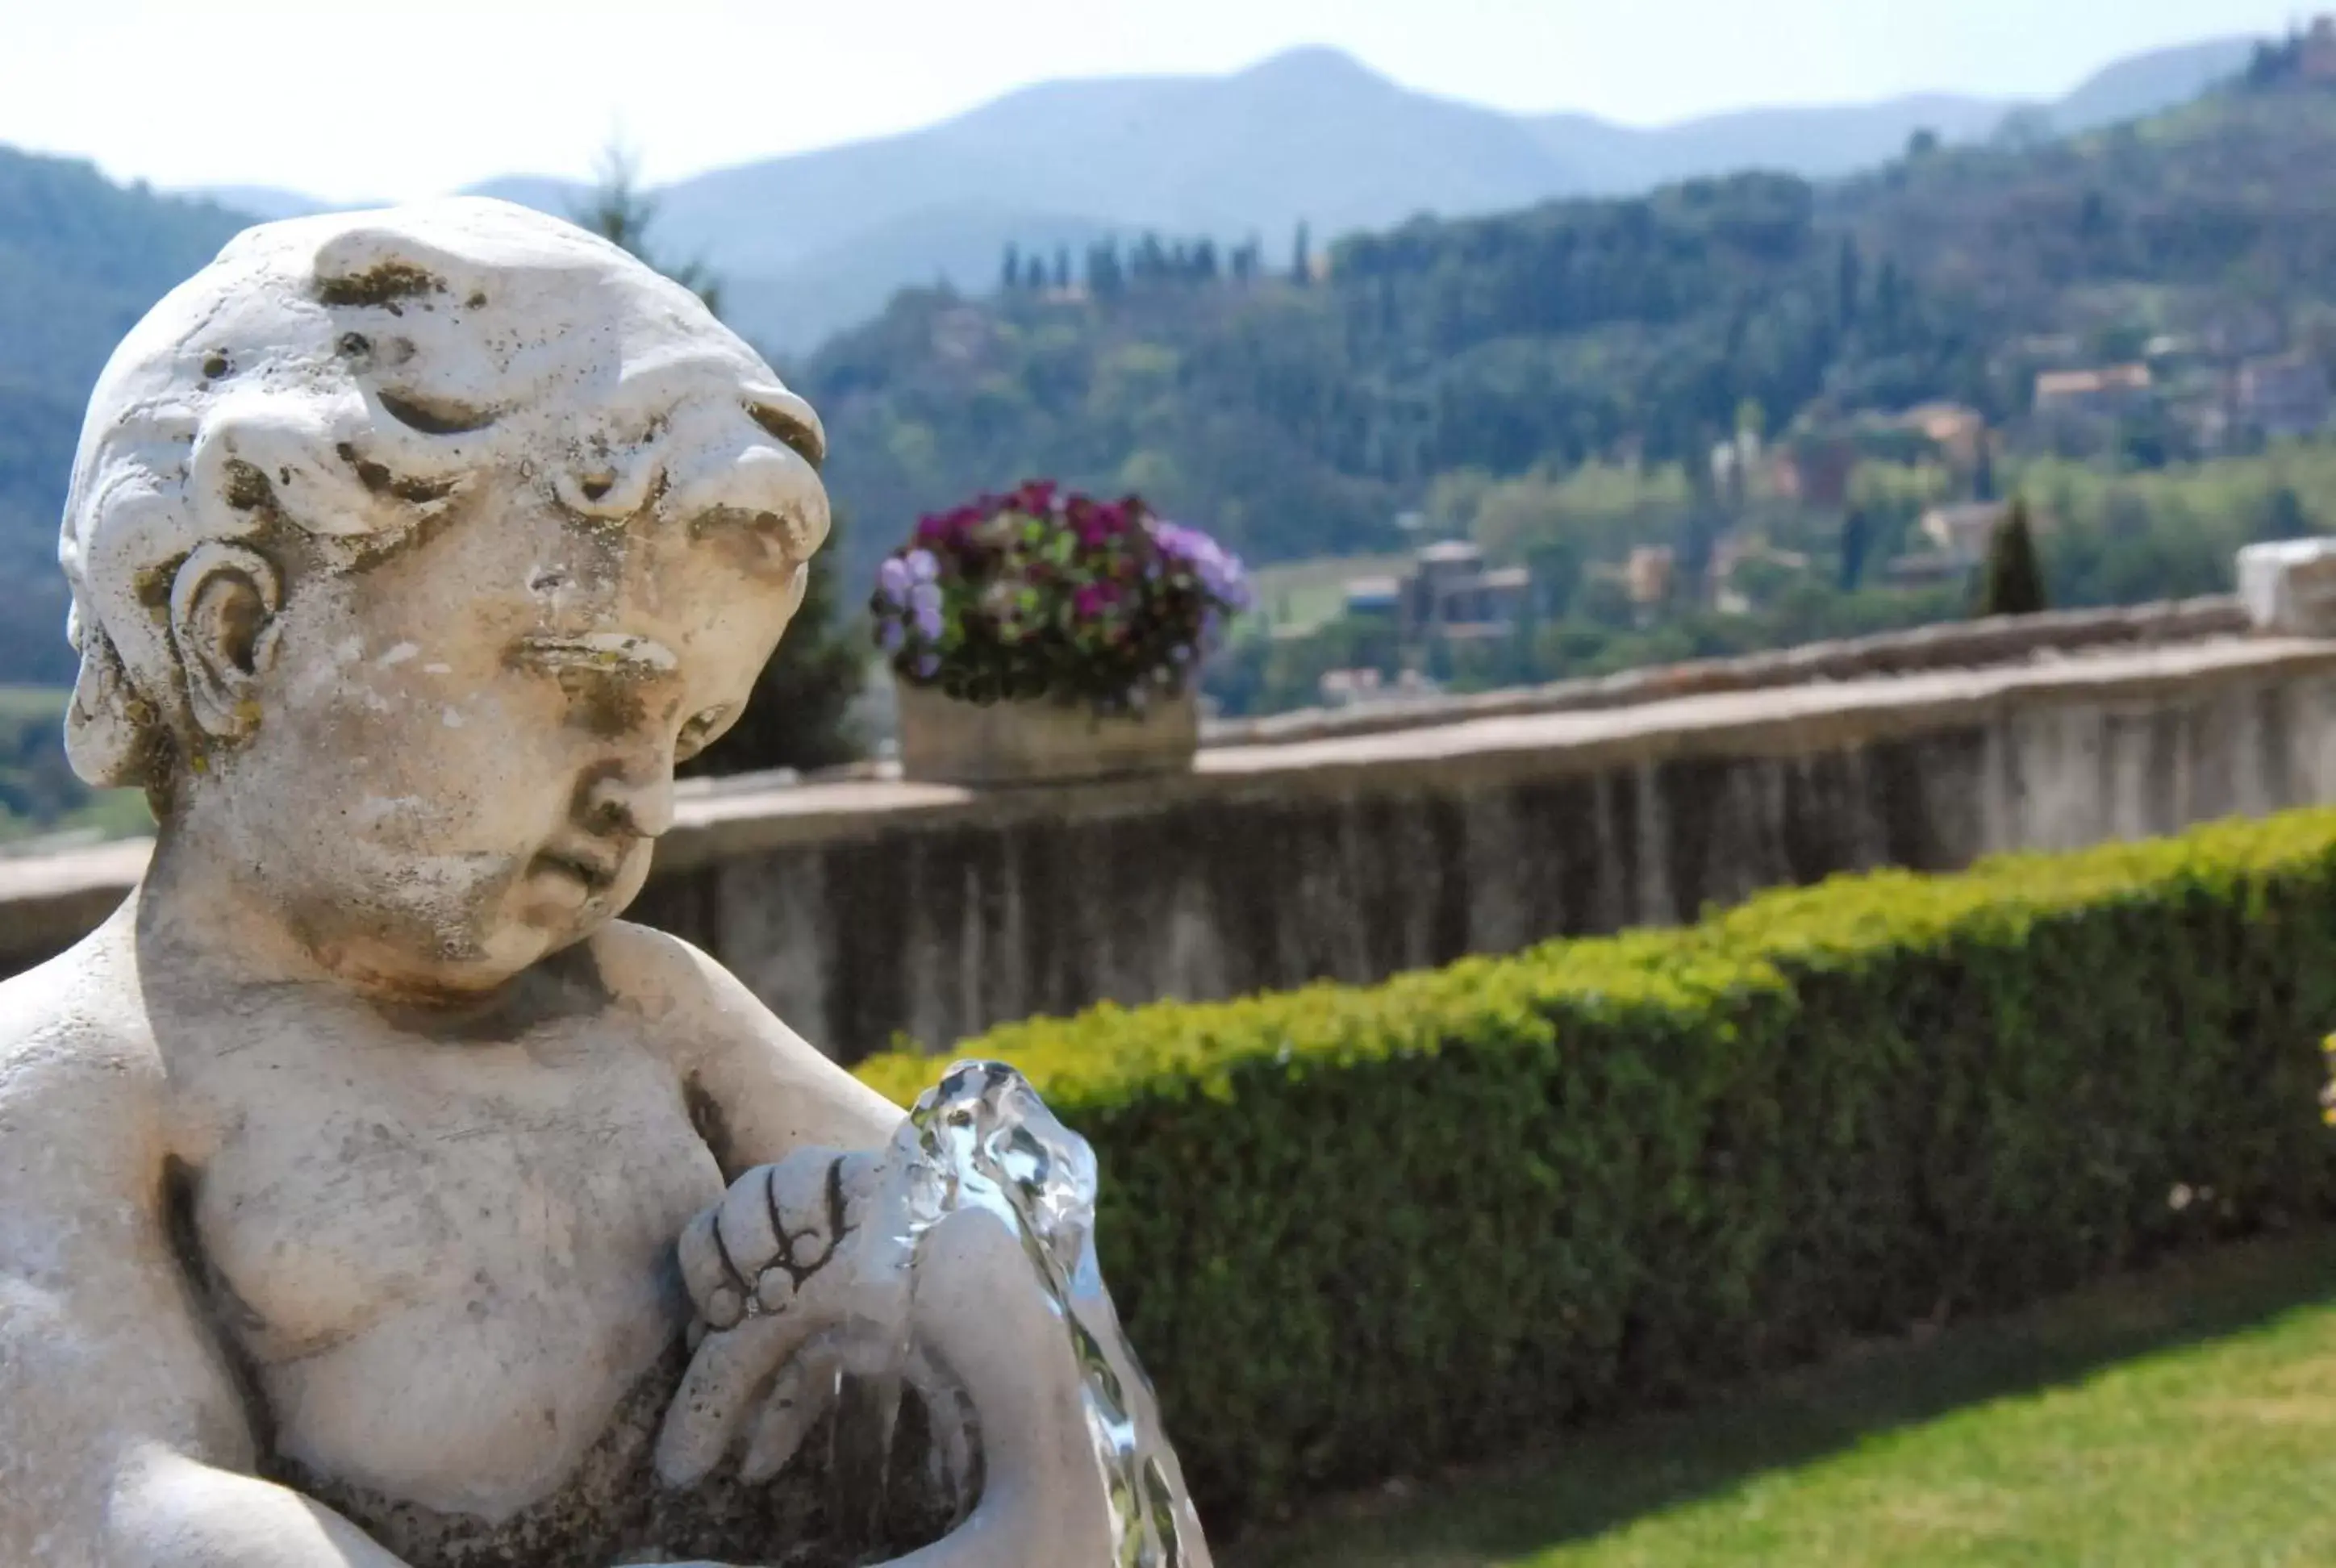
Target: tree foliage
{"x":2013,"y":582}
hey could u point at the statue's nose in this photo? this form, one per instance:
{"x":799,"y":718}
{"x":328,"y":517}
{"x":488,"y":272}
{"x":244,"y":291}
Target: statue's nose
{"x":637,"y":804}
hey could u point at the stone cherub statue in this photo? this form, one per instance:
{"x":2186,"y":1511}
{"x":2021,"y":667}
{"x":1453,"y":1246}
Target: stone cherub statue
{"x":369,"y":1192}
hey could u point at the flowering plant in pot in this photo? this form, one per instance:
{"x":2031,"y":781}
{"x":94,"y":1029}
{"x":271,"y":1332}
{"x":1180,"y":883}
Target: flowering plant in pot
{"x":1044,"y":633}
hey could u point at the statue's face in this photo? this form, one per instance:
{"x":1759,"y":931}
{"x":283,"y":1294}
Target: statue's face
{"x":463,"y":753}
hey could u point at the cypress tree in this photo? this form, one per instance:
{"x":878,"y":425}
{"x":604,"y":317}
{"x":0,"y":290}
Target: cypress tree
{"x":2014,"y":580}
{"x":1857,"y":539}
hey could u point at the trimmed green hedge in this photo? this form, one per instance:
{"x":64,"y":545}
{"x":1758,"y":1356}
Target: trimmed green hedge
{"x":1359,"y":1232}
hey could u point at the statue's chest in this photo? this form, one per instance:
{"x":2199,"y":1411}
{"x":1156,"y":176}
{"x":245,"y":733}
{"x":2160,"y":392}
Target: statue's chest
{"x":453,"y":1189}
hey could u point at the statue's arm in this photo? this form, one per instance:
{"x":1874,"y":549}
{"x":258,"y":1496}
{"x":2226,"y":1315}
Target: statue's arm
{"x":767,"y":1092}
{"x":124,"y":1442}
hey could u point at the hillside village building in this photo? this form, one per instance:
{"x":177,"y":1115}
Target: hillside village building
{"x":1814,"y":471}
{"x":2110,"y":392}
{"x":2287,"y":396}
{"x":1962,"y":532}
{"x":1449,"y":594}
{"x":1958,"y":433}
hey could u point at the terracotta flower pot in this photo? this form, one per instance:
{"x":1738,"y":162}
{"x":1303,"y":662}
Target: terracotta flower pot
{"x":944,"y":740}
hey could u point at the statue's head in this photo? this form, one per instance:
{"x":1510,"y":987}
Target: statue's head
{"x":410,"y":551}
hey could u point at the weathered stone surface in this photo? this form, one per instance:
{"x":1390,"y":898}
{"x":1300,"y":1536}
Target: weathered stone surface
{"x":346,"y":1169}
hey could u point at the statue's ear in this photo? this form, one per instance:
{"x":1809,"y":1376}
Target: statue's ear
{"x":223,"y":605}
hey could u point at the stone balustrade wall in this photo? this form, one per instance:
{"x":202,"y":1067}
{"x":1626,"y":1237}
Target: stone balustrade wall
{"x":864,"y":907}
{"x":1948,"y":645}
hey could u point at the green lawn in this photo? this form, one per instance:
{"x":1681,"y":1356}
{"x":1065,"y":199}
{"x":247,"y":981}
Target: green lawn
{"x":2184,"y":1416}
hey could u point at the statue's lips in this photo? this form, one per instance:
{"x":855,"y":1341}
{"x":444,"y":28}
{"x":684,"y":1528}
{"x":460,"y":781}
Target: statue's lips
{"x":598,"y":872}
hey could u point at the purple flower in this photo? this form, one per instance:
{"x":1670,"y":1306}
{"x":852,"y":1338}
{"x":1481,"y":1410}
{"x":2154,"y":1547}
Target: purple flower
{"x":894,"y":580}
{"x":926,"y":596}
{"x":1087,"y":603}
{"x":889,"y":637}
{"x":1220,"y":572}
{"x":928,"y":623}
{"x":921,"y":566}
{"x":927,"y":666}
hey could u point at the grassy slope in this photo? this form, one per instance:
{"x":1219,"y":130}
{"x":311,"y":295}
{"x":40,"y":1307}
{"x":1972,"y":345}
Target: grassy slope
{"x":2184,"y":1416}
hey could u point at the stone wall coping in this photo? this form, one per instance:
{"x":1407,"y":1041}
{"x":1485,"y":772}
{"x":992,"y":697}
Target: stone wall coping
{"x":57,"y":892}
{"x":1998,"y":639}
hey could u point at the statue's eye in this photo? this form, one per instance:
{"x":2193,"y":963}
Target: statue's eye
{"x":434,"y":415}
{"x":699,"y":732}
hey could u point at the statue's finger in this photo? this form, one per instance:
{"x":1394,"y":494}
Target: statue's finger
{"x":807,"y":1202}
{"x":748,"y":1226}
{"x":801,"y":1395}
{"x":715,"y":1286}
{"x":727,"y":1374}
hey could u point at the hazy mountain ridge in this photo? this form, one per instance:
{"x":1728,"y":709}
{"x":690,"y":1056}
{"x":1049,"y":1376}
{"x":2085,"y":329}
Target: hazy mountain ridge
{"x":810,"y":243}
{"x":1309,"y":136}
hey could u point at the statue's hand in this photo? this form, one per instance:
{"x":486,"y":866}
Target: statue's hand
{"x":778,"y":1228}
{"x":798,"y":1275}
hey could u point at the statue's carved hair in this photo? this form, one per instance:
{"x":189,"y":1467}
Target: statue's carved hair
{"x":326,"y":388}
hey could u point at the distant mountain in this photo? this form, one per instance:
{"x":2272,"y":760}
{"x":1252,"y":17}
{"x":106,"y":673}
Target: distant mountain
{"x":541,"y":192}
{"x":265,"y":202}
{"x":1310,"y":134}
{"x":2145,"y":83}
{"x":1832,"y":139}
{"x":812,"y":242}
{"x":1815,"y":143}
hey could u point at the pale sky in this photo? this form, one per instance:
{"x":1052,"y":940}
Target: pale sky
{"x":410,"y":97}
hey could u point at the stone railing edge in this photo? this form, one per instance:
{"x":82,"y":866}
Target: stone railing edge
{"x":1948,"y":645}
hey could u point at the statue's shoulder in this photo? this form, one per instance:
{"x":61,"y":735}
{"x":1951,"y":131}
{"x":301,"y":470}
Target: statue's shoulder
{"x":684,"y":996}
{"x":78,"y":1014}
{"x":84,"y":1091}
{"x":719,"y":1033}
{"x":655,"y":972}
